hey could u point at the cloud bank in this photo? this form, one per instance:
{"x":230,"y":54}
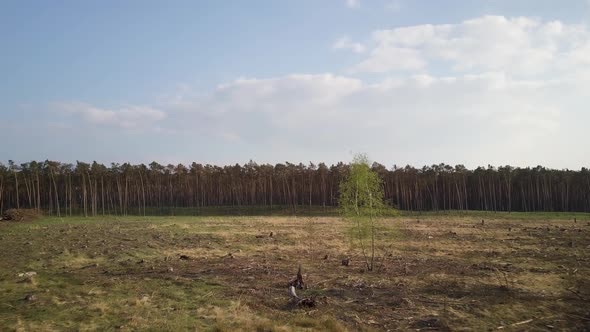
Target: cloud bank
{"x":520,"y":46}
{"x":506,"y":91}
{"x":127,"y":117}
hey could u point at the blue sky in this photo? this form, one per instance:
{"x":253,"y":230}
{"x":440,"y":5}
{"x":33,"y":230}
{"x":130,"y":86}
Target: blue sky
{"x":418,"y":82}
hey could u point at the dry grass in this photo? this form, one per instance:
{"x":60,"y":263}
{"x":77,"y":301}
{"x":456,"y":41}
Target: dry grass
{"x":439,"y":272}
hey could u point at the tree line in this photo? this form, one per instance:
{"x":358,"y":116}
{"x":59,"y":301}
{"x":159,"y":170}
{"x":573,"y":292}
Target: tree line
{"x":92,"y":189}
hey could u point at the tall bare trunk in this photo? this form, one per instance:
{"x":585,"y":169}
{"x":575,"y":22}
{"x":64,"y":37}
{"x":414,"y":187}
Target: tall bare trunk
{"x":17,"y":192}
{"x":56,"y":193}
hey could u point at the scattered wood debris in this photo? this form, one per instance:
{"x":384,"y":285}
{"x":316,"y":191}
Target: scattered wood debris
{"x":515,"y":324}
{"x":298,"y":283}
{"x":301,"y":302}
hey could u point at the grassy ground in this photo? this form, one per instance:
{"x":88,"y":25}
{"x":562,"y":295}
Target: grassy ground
{"x":445,"y":272}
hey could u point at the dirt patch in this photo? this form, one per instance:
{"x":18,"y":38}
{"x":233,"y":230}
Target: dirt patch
{"x":21,"y":215}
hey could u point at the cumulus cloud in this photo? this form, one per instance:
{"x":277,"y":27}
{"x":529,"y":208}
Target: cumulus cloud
{"x":488,"y":117}
{"x":129,"y":117}
{"x":521,"y":46}
{"x":385,"y":58}
{"x":346,"y":44}
{"x":507,"y":91}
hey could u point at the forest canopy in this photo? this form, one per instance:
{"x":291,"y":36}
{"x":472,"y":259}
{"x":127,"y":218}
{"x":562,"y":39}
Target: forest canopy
{"x":95,"y":189}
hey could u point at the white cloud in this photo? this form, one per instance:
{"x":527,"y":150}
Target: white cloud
{"x":347,"y":44}
{"x":521,"y":46}
{"x":512,"y":91}
{"x":129,"y":117}
{"x":385,"y":58}
{"x":353,"y":3}
{"x":476,"y":118}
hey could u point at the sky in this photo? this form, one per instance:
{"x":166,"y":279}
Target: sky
{"x":417,"y":82}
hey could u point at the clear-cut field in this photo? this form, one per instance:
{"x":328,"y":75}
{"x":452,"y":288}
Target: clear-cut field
{"x":229,"y":273}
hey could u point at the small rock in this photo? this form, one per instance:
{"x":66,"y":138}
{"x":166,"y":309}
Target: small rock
{"x":171,"y":269}
{"x":30,"y":297}
{"x":27,"y":274}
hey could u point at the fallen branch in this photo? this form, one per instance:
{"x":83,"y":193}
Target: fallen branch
{"x":576,"y":293}
{"x":579,"y":317}
{"x":516,"y":324}
{"x":439,"y":302}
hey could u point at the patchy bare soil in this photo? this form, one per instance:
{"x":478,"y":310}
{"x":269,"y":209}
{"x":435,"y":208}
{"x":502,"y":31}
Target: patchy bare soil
{"x":225,"y":274}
